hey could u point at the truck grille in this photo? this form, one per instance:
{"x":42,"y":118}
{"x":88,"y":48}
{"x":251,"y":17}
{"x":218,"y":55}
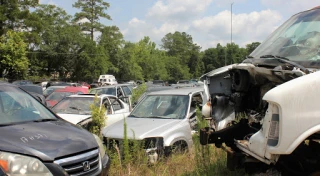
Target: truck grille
{"x":82,"y":165}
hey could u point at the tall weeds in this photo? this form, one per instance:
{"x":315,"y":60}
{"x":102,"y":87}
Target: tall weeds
{"x":98,"y":117}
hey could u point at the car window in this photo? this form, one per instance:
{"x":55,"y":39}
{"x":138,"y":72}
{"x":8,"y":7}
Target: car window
{"x":74,"y":105}
{"x":196,"y":102}
{"x":18,"y":106}
{"x":57,"y":96}
{"x":119,"y":92}
{"x":126,"y":90}
{"x":116,"y":104}
{"x":162,"y":106}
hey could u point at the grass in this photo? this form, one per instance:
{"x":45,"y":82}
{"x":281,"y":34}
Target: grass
{"x":177,"y":164}
{"x":199,"y":161}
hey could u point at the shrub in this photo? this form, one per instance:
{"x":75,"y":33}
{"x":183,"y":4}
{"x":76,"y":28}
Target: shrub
{"x":137,"y":92}
{"x":98,"y":117}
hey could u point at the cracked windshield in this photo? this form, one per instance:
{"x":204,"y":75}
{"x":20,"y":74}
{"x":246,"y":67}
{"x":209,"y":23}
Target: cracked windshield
{"x":160,"y":87}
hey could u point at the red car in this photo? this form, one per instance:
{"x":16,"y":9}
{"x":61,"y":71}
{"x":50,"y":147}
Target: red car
{"x":59,"y":94}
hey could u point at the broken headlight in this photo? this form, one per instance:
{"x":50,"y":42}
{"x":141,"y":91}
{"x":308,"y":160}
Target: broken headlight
{"x":155,"y":142}
{"x":273,"y":137}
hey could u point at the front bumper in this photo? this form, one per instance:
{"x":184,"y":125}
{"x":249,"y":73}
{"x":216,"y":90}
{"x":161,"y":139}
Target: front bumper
{"x":106,"y":162}
{"x":56,"y":169}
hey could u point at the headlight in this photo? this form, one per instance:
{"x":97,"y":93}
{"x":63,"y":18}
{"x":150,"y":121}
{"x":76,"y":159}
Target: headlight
{"x":101,"y":147}
{"x":19,"y":165}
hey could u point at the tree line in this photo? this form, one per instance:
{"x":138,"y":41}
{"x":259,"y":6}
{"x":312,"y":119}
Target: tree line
{"x":37,"y":40}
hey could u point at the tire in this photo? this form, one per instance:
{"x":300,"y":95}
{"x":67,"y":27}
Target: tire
{"x":179,"y":147}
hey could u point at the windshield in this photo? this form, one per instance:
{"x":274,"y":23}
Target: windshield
{"x":162,"y":106}
{"x":74,"y":105}
{"x":57,"y":96}
{"x":49,"y":90}
{"x":298,"y":39}
{"x":109,"y":91}
{"x":17,"y":106}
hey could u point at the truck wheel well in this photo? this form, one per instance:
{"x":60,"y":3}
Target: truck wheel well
{"x":304,"y":159}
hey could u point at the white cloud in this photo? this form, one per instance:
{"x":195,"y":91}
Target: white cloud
{"x":290,"y":6}
{"x":226,"y":3}
{"x":177,"y":10}
{"x":254,"y":26}
{"x":167,"y":16}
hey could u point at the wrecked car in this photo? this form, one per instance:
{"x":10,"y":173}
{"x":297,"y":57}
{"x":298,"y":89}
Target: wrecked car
{"x":162,"y":120}
{"x":265,"y":111}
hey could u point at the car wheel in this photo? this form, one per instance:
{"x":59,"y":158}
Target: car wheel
{"x":179,"y":147}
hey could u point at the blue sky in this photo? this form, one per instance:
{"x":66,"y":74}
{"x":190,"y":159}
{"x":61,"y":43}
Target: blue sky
{"x":208,"y":21}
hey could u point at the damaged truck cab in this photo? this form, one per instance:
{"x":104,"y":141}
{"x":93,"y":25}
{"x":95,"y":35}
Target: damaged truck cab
{"x":266,"y":109}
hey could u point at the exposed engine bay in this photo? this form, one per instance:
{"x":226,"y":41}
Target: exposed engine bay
{"x":236,"y":93}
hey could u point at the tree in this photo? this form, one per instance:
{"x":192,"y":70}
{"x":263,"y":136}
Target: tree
{"x":111,"y":40}
{"x":180,"y":45}
{"x":13,"y":13}
{"x":92,"y":10}
{"x":51,"y":35}
{"x":13,"y":54}
{"x":252,"y":46}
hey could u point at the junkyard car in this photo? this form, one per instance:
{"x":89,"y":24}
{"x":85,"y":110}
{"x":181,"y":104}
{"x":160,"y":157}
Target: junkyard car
{"x":165,"y":119}
{"x":34,"y":141}
{"x":266,"y":109}
{"x":76,"y":108}
{"x":122,"y":91}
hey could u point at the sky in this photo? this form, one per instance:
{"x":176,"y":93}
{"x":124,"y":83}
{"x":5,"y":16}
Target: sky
{"x":207,"y":21}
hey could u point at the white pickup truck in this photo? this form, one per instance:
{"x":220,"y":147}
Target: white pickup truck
{"x":265,"y":111}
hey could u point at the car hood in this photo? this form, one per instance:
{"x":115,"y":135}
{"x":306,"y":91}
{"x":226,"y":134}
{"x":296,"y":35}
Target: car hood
{"x":140,"y":128}
{"x":46,"y":140}
{"x":74,"y":118}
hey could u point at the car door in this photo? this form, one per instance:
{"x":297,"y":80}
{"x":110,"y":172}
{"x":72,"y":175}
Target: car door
{"x":117,"y":110}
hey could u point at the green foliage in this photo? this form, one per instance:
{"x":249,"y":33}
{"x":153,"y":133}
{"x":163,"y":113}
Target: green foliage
{"x":137,"y":92}
{"x":60,"y":43}
{"x":98,"y":117}
{"x":13,"y":13}
{"x":13,"y":54}
{"x":185,"y":59}
{"x":252,"y":46}
{"x":91,"y":10}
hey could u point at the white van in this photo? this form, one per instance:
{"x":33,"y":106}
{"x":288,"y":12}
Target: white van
{"x":107,"y":80}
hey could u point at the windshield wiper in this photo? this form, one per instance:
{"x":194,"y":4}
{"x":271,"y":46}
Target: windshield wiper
{"x":133,"y":116}
{"x":157,"y":117}
{"x":273,"y":56}
{"x":286,"y":60}
{"x":75,"y":108}
{"x":44,"y":120}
